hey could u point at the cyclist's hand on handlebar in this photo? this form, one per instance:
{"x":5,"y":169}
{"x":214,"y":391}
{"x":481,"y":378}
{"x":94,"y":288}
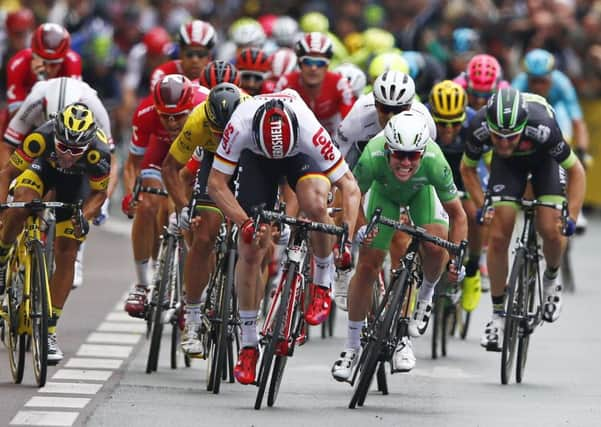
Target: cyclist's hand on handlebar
{"x":343,"y":256}
{"x":184,"y":218}
{"x":455,"y":274}
{"x":128,"y":205}
{"x":570,"y":227}
{"x":366,"y":239}
{"x":81,"y":227}
{"x":248,"y":232}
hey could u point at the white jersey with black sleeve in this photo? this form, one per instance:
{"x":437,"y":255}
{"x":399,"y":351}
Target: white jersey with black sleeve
{"x":313,"y":139}
{"x":49,"y":97}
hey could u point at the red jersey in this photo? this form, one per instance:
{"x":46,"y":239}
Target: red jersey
{"x":170,"y":67}
{"x":20,"y":79}
{"x":268,"y":86}
{"x":333,"y":103}
{"x":148,"y":137}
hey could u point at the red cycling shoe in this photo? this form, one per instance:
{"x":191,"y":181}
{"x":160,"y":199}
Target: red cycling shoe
{"x":246,"y":367}
{"x":321,"y":304}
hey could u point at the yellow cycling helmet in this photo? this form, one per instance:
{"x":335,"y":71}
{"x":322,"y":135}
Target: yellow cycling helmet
{"x":387,"y":61}
{"x":353,"y":42}
{"x":314,"y":22}
{"x":448,"y":100}
{"x":75,"y":125}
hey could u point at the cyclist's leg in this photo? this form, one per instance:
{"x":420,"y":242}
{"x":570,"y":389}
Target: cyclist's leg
{"x":548,"y":182}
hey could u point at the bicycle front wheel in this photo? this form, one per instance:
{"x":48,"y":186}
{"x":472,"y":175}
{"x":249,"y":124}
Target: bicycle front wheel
{"x":513,"y":311}
{"x":39,"y":312}
{"x":15,"y":341}
{"x":528,"y":299}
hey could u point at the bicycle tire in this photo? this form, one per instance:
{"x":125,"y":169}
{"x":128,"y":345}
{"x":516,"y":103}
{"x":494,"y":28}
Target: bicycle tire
{"x":224,"y":314}
{"x":528,"y":299}
{"x":436,"y":325}
{"x":464,"y":322}
{"x":375,"y":346}
{"x":211,"y":303}
{"x":174,"y":301}
{"x":277,"y":323}
{"x":39,"y":312}
{"x":513,"y":310}
{"x":567,"y":272}
{"x":381,"y":378}
{"x":157,"y":324}
{"x":276,"y":379}
{"x":16,"y":342}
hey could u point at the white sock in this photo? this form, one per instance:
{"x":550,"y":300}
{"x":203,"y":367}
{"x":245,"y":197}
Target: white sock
{"x":193,"y":313}
{"x":142,"y":272}
{"x":80,"y":251}
{"x":426,"y":290}
{"x":353,"y":337}
{"x":248,"y":318}
{"x":322,"y":271}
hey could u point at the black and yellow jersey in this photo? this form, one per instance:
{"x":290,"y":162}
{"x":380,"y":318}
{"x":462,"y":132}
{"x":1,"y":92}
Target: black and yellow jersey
{"x":38,"y":146}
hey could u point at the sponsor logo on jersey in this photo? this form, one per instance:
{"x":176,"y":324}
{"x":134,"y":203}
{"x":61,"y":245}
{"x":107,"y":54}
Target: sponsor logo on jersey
{"x":321,"y":140}
{"x":225,"y":138}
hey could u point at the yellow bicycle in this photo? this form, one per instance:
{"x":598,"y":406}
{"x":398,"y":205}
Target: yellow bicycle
{"x":28,"y":305}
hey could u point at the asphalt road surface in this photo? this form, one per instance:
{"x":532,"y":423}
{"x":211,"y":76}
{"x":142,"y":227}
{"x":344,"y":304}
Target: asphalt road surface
{"x":102,"y":380}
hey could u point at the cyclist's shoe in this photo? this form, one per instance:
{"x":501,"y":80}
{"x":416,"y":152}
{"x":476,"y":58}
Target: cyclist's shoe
{"x":403,"y":359}
{"x":581,"y":223}
{"x":342,"y":370}
{"x":321,"y":304}
{"x":191,"y":343}
{"x":136,"y":302}
{"x":55,"y":354}
{"x":552,"y":302}
{"x":341,"y":284}
{"x":421,"y":316}
{"x":492,"y":338}
{"x":472,"y":290}
{"x":245,"y":368}
{"x":78,"y":274}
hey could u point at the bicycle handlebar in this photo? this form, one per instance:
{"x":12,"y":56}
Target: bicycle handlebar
{"x":418,"y":233}
{"x":138,"y":188}
{"x":38,"y":205}
{"x":525,"y":204}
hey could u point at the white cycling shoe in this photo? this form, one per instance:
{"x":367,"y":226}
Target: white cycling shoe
{"x":342,"y":370}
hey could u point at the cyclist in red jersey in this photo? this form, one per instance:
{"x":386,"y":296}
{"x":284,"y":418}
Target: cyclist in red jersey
{"x":328,"y":94}
{"x":196,"y":40}
{"x":156,"y":123}
{"x":283,"y":61}
{"x":253,"y":64}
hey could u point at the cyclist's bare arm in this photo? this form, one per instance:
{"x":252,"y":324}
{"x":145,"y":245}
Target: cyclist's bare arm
{"x":471,"y":181}
{"x":7,"y":174}
{"x":220,"y":192}
{"x":581,"y":136}
{"x":457,"y":220}
{"x":130,"y":171}
{"x":171,"y":179}
{"x":576,"y":188}
{"x":92,"y":204}
{"x":351,"y":200}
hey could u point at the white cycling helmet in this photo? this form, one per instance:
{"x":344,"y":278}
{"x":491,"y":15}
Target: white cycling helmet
{"x":283,"y":61}
{"x":394,"y":88}
{"x":355,"y":76}
{"x":61,"y":92}
{"x":285,"y":31}
{"x":407,"y":131}
{"x":247,"y":32}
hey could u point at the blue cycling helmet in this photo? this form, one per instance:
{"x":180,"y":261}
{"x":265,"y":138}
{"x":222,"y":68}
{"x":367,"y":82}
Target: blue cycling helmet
{"x":539,"y":62}
{"x":465,"y":40}
{"x":416,"y":62}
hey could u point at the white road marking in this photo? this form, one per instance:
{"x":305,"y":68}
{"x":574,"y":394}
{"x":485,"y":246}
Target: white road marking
{"x":110,"y":351}
{"x":91,"y":363}
{"x":57,"y":402}
{"x":122,"y":327}
{"x":98,"y":337}
{"x":70,"y":388}
{"x":82,"y":374}
{"x":44,"y":418}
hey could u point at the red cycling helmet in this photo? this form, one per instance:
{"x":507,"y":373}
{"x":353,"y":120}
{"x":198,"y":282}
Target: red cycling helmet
{"x":253,"y":59}
{"x":197,"y":33}
{"x":51,"y":42}
{"x":275,"y":129}
{"x":216,"y":72}
{"x":267,"y":22}
{"x":19,"y":21}
{"x":483,"y":73}
{"x":173,"y":94}
{"x":314,"y":44}
{"x":157,"y":41}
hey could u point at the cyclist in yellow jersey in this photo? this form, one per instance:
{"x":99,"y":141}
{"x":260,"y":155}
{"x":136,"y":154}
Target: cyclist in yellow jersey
{"x":203,"y":128}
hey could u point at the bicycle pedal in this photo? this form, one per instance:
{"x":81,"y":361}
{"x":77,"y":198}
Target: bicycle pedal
{"x":494,"y":347}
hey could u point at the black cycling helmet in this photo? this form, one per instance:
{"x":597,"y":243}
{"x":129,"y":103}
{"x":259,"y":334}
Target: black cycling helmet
{"x":221,"y":103}
{"x":216,"y":72}
{"x":506,"y":112}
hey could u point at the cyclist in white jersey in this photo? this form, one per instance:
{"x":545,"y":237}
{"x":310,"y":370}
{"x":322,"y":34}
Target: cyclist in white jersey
{"x":49,"y":97}
{"x":393,"y":92}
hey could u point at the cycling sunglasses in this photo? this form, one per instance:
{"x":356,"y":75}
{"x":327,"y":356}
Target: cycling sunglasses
{"x":392,"y":109}
{"x":252,"y":75}
{"x":505,"y":135}
{"x":400,"y":155}
{"x":458,"y":121}
{"x":50,"y":61}
{"x":73,"y":150}
{"x":199,"y":53}
{"x":175,"y":117}
{"x":311,"y":61}
{"x":479,"y":94}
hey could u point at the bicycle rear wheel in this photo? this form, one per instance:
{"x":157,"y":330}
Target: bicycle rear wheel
{"x":514,"y":309}
{"x":158,"y":302}
{"x":273,"y":338}
{"x":463,"y":319}
{"x":276,"y":379}
{"x":528,"y":299}
{"x":15,"y":341}
{"x":437,"y":324}
{"x":39,"y":312}
{"x":381,"y":377}
{"x":175,"y":303}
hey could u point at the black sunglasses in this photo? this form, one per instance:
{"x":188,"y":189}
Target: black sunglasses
{"x":394,"y":109}
{"x":401,"y":155}
{"x":196,"y":53}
